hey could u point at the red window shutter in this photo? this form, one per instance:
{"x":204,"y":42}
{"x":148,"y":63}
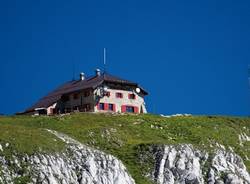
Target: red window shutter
{"x":114,"y":108}
{"x":136,"y":109}
{"x":121,"y":95}
{"x":123,"y":108}
{"x":106,"y":106}
{"x":131,"y":96}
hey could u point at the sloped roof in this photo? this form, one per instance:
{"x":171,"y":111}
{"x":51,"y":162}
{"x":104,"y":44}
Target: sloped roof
{"x":77,"y":85}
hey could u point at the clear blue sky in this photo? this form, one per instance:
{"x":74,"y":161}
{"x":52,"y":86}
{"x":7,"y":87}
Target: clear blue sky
{"x":192,"y":56}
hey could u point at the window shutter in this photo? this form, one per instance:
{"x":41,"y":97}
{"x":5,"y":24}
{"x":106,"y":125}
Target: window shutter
{"x":136,"y":109}
{"x":106,"y":106}
{"x":123,"y":108}
{"x":114,"y":108}
{"x":121,"y":95}
{"x":132,"y":96}
{"x":98,"y":106}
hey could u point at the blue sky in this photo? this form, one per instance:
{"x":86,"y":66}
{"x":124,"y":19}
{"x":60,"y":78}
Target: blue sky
{"x":192,"y":56}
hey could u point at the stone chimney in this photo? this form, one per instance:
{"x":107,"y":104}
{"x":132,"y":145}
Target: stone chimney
{"x":98,"y":72}
{"x":82,"y":77}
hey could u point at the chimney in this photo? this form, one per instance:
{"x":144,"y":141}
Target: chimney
{"x":98,"y":72}
{"x":82,"y":77}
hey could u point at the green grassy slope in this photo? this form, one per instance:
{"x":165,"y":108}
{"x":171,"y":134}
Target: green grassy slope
{"x":121,"y":135}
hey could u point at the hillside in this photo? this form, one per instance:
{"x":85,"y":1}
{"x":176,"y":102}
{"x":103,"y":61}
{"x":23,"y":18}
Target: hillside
{"x":127,"y":137}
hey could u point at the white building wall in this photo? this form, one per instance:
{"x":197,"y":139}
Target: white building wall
{"x":51,"y":108}
{"x":112,"y":99}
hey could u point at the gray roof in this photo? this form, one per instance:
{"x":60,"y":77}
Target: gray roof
{"x":78,"y":85}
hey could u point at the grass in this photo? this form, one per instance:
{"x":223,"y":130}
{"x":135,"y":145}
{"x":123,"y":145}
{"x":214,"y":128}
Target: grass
{"x":122,"y":135}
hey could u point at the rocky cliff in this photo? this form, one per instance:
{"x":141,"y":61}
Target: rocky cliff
{"x":81,"y":164}
{"x":185,"y":164}
{"x":78,"y":164}
{"x":124,"y":149}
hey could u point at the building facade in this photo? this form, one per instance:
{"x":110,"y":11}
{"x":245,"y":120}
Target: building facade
{"x":99,"y":93}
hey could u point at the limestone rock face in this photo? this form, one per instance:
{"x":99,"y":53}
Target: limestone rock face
{"x":162,"y":164}
{"x":185,"y":165}
{"x":78,"y":164}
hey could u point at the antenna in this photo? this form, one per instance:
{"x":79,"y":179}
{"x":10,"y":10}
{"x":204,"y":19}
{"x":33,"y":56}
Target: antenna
{"x":104,"y":59}
{"x":248,"y":76}
{"x":73,"y":70}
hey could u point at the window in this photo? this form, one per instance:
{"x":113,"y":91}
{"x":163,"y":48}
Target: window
{"x":86,"y":93}
{"x":111,"y":107}
{"x":130,"y":109}
{"x":75,"y":96}
{"x":101,"y":106}
{"x":107,"y":94}
{"x":119,"y":95}
{"x":55,"y":111}
{"x":131,"y":96}
{"x":65,"y":98}
{"x":67,"y":110}
{"x":86,"y":107}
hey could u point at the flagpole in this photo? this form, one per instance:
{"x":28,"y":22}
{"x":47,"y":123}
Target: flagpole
{"x":104,"y":59}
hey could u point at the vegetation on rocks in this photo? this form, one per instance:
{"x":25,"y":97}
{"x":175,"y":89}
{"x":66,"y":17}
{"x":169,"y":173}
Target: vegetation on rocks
{"x":124,"y":136}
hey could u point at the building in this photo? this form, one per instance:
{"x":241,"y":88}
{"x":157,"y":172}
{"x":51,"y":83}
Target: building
{"x":99,"y":93}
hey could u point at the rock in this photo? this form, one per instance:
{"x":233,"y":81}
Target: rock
{"x":184,"y":164}
{"x":169,"y":164}
{"x":243,"y":137}
{"x":175,"y":115}
{"x":78,"y":164}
